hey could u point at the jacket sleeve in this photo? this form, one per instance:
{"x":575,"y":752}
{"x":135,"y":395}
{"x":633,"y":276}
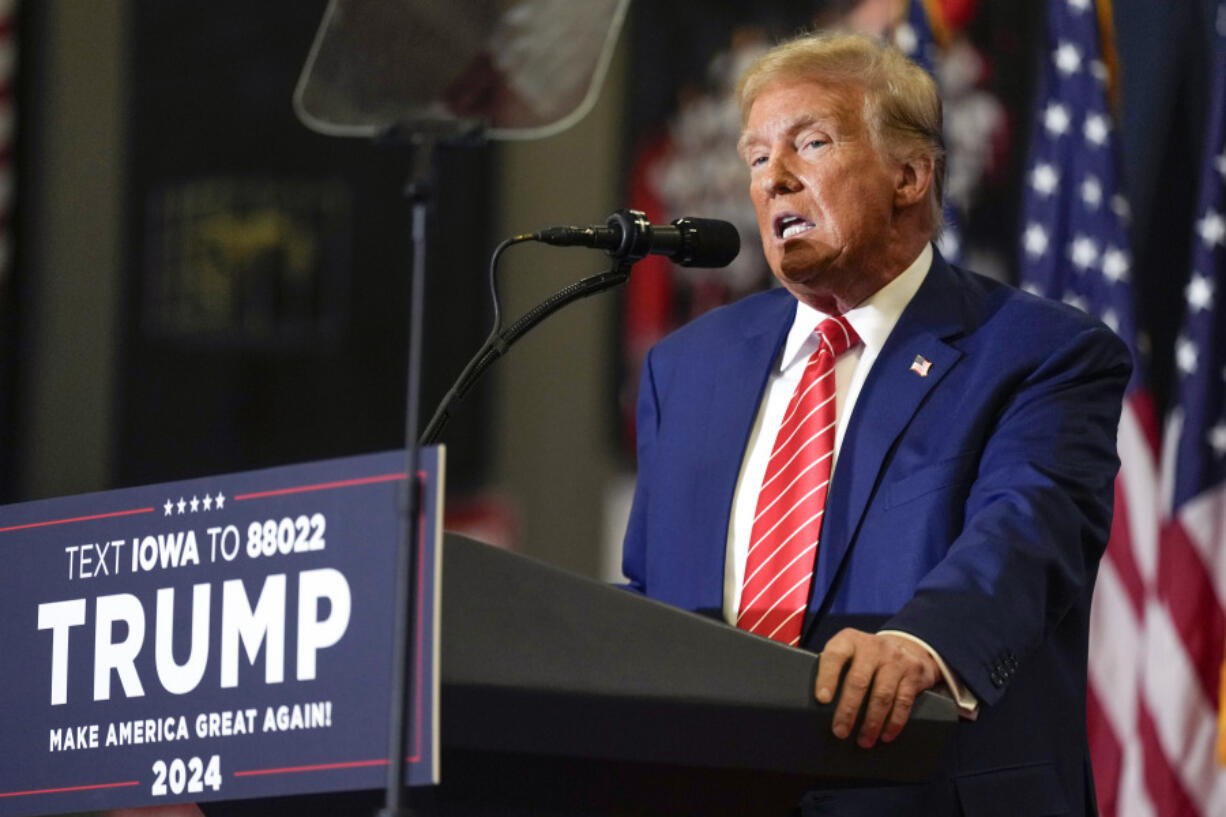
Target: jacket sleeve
{"x":1037,"y":518}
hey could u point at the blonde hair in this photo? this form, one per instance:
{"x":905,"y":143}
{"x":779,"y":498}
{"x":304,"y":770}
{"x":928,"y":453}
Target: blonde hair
{"x":902,"y":107}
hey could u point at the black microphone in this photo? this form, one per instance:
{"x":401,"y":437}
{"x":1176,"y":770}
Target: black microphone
{"x":629,"y":236}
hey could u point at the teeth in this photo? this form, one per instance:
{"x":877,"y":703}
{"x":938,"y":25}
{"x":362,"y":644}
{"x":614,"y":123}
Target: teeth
{"x":792,"y":227}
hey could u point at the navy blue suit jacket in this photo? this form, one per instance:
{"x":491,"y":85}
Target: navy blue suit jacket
{"x":969,"y":507}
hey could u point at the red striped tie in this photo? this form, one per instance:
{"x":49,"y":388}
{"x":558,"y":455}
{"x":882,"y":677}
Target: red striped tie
{"x":788,"y":521}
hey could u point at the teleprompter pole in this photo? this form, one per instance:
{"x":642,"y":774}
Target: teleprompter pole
{"x":424,"y":138}
{"x":400,"y":712}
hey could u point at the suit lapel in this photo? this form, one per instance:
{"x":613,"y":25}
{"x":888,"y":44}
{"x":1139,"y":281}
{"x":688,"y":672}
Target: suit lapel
{"x":738,"y":378}
{"x":889,"y":399}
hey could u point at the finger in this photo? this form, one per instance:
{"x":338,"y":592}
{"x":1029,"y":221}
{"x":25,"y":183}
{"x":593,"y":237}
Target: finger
{"x":855,"y":686}
{"x":881,"y":699}
{"x":837,"y":652}
{"x":904,"y":701}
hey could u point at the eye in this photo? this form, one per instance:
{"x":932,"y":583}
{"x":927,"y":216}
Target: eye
{"x":757,"y":160}
{"x":814,"y":142}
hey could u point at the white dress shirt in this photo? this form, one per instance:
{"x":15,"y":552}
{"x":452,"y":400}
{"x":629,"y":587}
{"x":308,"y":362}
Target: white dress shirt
{"x":873,"y":319}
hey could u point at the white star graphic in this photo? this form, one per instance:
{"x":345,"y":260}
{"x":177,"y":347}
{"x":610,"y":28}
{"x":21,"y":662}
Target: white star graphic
{"x":220,"y":502}
{"x":1096,"y":129}
{"x":1115,"y":264}
{"x":1185,"y":355}
{"x":1078,"y":5}
{"x":905,"y":39}
{"x":1212,"y":228}
{"x":1033,"y":289}
{"x":207,"y":502}
{"x":182,"y":505}
{"x":169,"y":506}
{"x":1035,"y":240}
{"x":1056,"y":119}
{"x":1119,"y":206}
{"x":1199,"y":292}
{"x":1112,"y":320}
{"x":1077,"y":302}
{"x":949,"y":244}
{"x":1068,"y":58}
{"x":1219,"y":164}
{"x":1098,"y":70}
{"x":1083,"y":252}
{"x":195,"y":503}
{"x":1044,"y":179}
{"x":1091,"y":192}
{"x":1217,"y":439}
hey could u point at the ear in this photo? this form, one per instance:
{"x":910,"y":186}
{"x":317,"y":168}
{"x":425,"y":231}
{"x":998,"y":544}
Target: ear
{"x":913,"y":182}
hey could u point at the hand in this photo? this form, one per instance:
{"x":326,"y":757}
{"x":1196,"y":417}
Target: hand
{"x":894,"y":669}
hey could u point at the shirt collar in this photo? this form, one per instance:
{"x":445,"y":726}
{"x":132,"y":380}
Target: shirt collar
{"x":873,"y":319}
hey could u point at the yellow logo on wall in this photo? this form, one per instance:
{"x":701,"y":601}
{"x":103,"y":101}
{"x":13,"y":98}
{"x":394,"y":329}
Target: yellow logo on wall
{"x":254,"y":262}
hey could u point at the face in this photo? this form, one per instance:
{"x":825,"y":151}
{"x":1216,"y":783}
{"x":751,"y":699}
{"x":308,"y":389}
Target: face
{"x":826,"y":200}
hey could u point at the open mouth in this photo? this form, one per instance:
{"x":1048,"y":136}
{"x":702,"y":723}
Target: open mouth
{"x":787,"y":226}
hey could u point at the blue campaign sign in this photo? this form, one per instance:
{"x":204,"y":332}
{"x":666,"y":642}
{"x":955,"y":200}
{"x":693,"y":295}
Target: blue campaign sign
{"x":212,"y":639}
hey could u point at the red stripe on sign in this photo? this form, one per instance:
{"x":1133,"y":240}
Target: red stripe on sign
{"x":319,"y":767}
{"x":1187,"y":592}
{"x":1165,"y":789}
{"x":323,"y":486}
{"x":71,"y":788}
{"x":76,"y":519}
{"x":1106,"y":753}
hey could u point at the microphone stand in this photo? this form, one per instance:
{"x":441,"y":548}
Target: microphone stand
{"x":498,"y":343}
{"x":424,"y":137}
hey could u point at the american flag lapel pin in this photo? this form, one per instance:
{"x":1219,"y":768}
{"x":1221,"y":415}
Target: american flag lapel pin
{"x":921,"y":365}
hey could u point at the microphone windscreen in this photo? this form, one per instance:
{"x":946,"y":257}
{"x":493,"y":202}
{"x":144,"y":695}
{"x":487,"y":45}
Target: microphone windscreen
{"x":712,"y":242}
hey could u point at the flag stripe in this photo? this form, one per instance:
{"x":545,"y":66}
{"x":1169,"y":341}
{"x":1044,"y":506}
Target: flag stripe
{"x":1185,"y":587}
{"x":1180,"y":715}
{"x":1204,"y":520}
{"x":1108,"y":755}
{"x":1120,"y":553}
{"x":1161,"y":782}
{"x":1113,"y":672}
{"x":1139,"y":478}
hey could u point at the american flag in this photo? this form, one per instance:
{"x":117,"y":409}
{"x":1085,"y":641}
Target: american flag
{"x":915,"y":36}
{"x":1156,"y":628}
{"x":1185,"y":630}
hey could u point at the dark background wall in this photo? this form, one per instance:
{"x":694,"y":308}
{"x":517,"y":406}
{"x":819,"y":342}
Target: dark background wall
{"x":265,"y":283}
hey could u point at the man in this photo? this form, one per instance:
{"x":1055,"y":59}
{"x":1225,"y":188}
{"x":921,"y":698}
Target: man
{"x":936,"y":463}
